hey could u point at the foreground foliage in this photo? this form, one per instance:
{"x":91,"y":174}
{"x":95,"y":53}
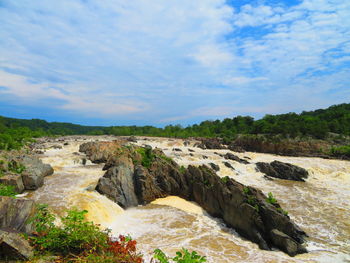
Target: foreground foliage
{"x":7,"y":190}
{"x":77,"y":240}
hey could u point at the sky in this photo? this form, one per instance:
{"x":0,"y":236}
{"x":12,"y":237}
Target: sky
{"x":159,"y":62}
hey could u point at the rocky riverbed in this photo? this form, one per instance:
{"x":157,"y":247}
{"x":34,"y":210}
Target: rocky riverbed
{"x":318,"y":205}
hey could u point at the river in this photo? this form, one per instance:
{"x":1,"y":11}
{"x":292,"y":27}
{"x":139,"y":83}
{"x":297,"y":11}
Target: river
{"x":320,"y":205}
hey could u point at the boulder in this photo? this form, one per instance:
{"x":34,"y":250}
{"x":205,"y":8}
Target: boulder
{"x":283,"y":170}
{"x":15,"y":213}
{"x":118,"y":184}
{"x":230,"y":156}
{"x":283,"y":241}
{"x":34,"y":173}
{"x":214,"y":166}
{"x":14,"y":247}
{"x":211,"y":143}
{"x":228,"y":165}
{"x":14,"y":180}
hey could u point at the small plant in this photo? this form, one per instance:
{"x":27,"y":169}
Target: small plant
{"x":166,"y":158}
{"x":225,"y":179}
{"x":7,"y":190}
{"x":284,"y":212}
{"x":182,"y":169}
{"x":183,"y":256}
{"x":16,"y":167}
{"x":271,"y":199}
{"x":246,"y":190}
{"x":147,"y":156}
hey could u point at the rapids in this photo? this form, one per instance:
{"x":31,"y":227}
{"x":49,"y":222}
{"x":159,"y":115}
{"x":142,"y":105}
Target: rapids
{"x":320,"y":205}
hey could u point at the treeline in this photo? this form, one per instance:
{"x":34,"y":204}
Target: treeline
{"x":317,"y":124}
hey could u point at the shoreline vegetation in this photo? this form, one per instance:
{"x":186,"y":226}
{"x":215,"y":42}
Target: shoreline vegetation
{"x":320,"y":133}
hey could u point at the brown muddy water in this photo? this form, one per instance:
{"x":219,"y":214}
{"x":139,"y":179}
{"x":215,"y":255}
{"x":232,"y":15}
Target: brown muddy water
{"x":320,"y":205}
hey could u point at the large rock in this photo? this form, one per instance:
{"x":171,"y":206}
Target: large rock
{"x":36,"y":170}
{"x":243,"y":208}
{"x":118,"y":184}
{"x":14,"y":180}
{"x":211,"y":143}
{"x":15,"y":213}
{"x":231,"y":156}
{"x":283,"y":170}
{"x":14,"y":247}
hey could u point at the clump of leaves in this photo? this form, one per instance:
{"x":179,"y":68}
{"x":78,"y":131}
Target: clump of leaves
{"x":246,"y":190}
{"x":77,"y":240}
{"x":182,"y":169}
{"x":147,"y":156}
{"x":7,"y":190}
{"x":16,"y":167}
{"x":183,"y":256}
{"x":282,"y":211}
{"x":225,"y":179}
{"x":74,"y":236}
{"x":165,"y":158}
{"x":271,"y":199}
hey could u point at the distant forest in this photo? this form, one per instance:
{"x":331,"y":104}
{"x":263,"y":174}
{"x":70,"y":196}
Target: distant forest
{"x":316,"y":124}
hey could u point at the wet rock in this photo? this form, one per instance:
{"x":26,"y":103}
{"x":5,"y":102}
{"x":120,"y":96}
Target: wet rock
{"x":118,"y":184}
{"x":66,"y":143}
{"x":211,"y":143}
{"x":56,"y":146}
{"x":34,"y":173}
{"x":241,"y":207}
{"x":15,"y":213}
{"x":204,"y":157}
{"x":230,"y":156}
{"x":283,"y":170}
{"x":187,"y":143}
{"x":215,"y":167}
{"x":190,"y":150}
{"x":132,"y":139}
{"x":286,"y":243}
{"x":83,"y":161}
{"x":177,"y":150}
{"x":191,"y":154}
{"x":14,"y":247}
{"x":228,"y":165}
{"x":14,"y":180}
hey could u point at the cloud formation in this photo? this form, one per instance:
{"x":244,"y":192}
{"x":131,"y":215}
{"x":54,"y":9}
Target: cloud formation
{"x":149,"y":61}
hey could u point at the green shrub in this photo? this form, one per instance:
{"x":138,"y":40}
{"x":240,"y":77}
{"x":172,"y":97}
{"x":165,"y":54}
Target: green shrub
{"x":16,"y":167}
{"x":271,"y":199}
{"x":340,"y":151}
{"x":74,"y":236}
{"x":246,"y":190}
{"x":225,"y":179}
{"x":284,"y":212}
{"x":182,"y":169}
{"x":147,"y":156}
{"x":7,"y":190}
{"x":183,"y":256}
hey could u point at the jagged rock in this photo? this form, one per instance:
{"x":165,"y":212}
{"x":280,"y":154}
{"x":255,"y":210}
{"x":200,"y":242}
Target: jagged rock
{"x":132,"y":139}
{"x":211,"y":143}
{"x":214,"y":166}
{"x":236,"y":148}
{"x":118,"y":184}
{"x":230,"y":156}
{"x":14,"y":180}
{"x":228,"y":165}
{"x":243,"y":208}
{"x":14,"y":247}
{"x":283,"y":170}
{"x":14,"y":214}
{"x":281,"y":240}
{"x":34,"y":173}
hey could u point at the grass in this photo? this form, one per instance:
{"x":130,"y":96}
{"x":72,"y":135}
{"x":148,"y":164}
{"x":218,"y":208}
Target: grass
{"x":7,"y":190}
{"x":147,"y":156}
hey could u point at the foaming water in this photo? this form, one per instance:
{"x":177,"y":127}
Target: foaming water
{"x":319,"y":205}
{"x":73,"y":184}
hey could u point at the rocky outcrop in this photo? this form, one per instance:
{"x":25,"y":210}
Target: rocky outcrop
{"x":15,"y":213}
{"x":149,"y":175}
{"x":26,"y":173}
{"x":210,"y":143}
{"x":14,"y":247}
{"x":230,"y":156}
{"x":283,"y":170}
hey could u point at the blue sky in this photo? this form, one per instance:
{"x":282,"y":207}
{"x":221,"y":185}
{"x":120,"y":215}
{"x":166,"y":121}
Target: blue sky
{"x":117,"y":62}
